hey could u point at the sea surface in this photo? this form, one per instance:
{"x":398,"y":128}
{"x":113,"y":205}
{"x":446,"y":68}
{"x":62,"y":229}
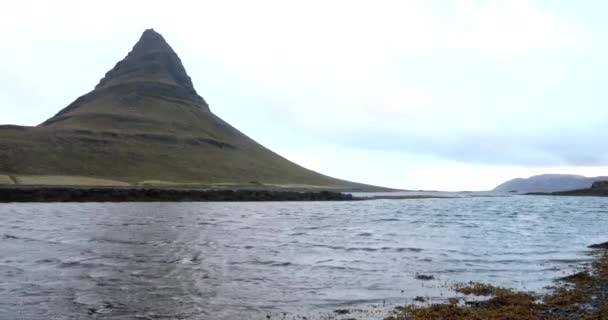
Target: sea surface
{"x":283,"y":260}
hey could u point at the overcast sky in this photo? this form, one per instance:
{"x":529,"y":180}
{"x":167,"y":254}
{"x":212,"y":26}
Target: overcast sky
{"x":450,"y":95}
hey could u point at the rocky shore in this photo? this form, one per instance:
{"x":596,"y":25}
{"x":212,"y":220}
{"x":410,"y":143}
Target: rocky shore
{"x":126,"y":194}
{"x":598,"y":189}
{"x":583,"y":295}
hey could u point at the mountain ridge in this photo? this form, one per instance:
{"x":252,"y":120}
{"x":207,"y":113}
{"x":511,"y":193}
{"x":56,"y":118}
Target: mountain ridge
{"x":548,"y":183}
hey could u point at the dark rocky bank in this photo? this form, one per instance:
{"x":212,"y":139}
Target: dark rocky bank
{"x":117,"y":194}
{"x":598,"y":189}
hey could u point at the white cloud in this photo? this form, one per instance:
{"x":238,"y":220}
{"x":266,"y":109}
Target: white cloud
{"x":509,"y":27}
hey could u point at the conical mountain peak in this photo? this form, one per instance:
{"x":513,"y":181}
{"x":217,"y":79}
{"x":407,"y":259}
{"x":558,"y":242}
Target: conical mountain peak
{"x":151,"y":77}
{"x":149,"y":43}
{"x":145,"y":124}
{"x":151,"y":60}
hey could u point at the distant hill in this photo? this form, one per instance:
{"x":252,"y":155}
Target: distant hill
{"x":548,"y":183}
{"x":145,"y":123}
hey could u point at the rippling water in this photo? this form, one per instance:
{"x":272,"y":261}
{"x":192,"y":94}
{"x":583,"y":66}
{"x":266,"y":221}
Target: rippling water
{"x":250,"y":260}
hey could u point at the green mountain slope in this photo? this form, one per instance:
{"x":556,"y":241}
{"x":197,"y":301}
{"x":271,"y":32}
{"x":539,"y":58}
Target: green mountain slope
{"x":145,"y":122}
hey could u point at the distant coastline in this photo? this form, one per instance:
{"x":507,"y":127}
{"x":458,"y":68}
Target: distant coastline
{"x":598,"y":189}
{"x":547,"y":183}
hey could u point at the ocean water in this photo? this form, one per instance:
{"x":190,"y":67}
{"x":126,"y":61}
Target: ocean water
{"x":283,"y":260}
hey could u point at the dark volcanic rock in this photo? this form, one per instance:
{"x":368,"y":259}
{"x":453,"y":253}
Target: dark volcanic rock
{"x":598,"y":189}
{"x":599,"y":246}
{"x":115,"y":194}
{"x":425,"y":277}
{"x":600,"y":185}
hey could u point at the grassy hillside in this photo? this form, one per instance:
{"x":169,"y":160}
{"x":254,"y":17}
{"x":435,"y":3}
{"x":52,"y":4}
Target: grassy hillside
{"x":136,"y":158}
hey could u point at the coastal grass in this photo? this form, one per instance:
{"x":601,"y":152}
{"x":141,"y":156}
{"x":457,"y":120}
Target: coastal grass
{"x":251,"y":184}
{"x":85,"y":181}
{"x":67,"y":181}
{"x":5,"y":179}
{"x":295,"y":186}
{"x":583,"y":295}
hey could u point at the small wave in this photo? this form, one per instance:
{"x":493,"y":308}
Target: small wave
{"x":328,"y":246}
{"x":250,"y":280}
{"x":327,"y":226}
{"x":134,"y":224}
{"x":188,"y":260}
{"x":486,"y":261}
{"x":10,"y":270}
{"x":341,"y":268}
{"x":337,"y":303}
{"x":362,"y":249}
{"x":281,"y":264}
{"x":48,"y":260}
{"x":386,"y":220}
{"x":117,"y":241}
{"x":271,"y":263}
{"x":67,"y":264}
{"x":326,"y":260}
{"x":83,"y":262}
{"x":12,"y":237}
{"x":365,"y":234}
{"x":569,"y":261}
{"x":408,"y":249}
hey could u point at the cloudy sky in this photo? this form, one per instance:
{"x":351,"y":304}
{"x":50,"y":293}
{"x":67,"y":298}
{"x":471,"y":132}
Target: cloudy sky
{"x":450,"y":95}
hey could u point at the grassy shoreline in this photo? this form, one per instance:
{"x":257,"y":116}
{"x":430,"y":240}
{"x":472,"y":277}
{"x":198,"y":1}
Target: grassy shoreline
{"x":583,"y":295}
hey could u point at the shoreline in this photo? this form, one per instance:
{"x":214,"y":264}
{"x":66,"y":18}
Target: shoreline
{"x":147,"y":194}
{"x":573,"y":193}
{"x":598,"y":189}
{"x":46,"y":194}
{"x":582,"y":295}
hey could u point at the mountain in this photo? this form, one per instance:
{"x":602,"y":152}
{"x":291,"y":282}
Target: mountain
{"x":548,"y":183}
{"x":145,"y":123}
